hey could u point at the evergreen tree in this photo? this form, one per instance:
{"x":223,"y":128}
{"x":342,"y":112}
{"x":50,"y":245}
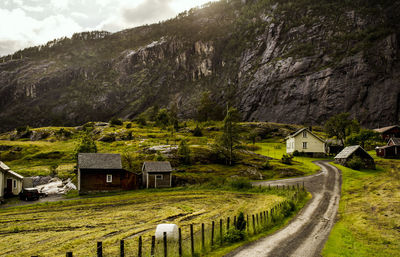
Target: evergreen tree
{"x":184,"y":152}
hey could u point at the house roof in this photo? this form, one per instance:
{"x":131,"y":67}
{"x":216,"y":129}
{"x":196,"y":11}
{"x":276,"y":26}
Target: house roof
{"x":149,"y":166}
{"x":3,"y":166}
{"x":348,"y":151}
{"x":15,"y":174}
{"x":395,"y":140}
{"x":101,"y":161}
{"x":301,"y":130}
{"x":384,"y":129}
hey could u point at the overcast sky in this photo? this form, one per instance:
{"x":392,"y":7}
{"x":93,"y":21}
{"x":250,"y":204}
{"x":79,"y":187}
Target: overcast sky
{"x":26,"y":23}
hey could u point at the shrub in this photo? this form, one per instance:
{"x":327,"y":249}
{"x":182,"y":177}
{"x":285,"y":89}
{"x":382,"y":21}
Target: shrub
{"x":159,"y":157}
{"x":240,"y":183}
{"x":241,"y":223}
{"x":184,"y":152}
{"x":116,"y":122}
{"x":355,"y":163}
{"x":197,"y":132}
{"x":296,"y":153}
{"x":141,"y":120}
{"x":266,"y":165}
{"x":129,"y":125}
{"x":234,"y":235}
{"x":287,"y":159}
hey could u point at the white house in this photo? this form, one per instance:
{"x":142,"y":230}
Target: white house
{"x":305,"y":141}
{"x":10,"y":181}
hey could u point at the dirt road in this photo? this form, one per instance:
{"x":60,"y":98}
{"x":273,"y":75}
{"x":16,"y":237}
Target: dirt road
{"x":307,"y":233}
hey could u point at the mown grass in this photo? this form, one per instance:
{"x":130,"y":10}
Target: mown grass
{"x":369,"y":212}
{"x":51,"y":229}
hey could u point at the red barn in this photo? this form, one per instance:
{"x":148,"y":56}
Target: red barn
{"x":389,"y":132}
{"x":391,"y":150}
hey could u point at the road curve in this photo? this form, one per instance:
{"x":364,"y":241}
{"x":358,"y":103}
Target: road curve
{"x":307,"y":233}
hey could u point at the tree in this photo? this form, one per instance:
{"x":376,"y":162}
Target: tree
{"x":173,"y":116}
{"x":184,"y":152}
{"x":162,"y":118}
{"x":86,"y":145}
{"x":115,"y":121}
{"x":362,"y":137}
{"x":205,"y":107}
{"x":230,"y":137}
{"x":340,"y":126}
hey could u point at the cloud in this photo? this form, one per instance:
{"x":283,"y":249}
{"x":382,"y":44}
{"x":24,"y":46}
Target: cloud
{"x":148,"y":11}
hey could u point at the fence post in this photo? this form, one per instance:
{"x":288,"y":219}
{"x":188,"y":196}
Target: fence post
{"x":247,"y":224}
{"x":227,"y":223}
{"x":191,"y":239}
{"x":212,"y":233}
{"x":153,"y":245}
{"x":261,"y":219}
{"x":99,"y":249}
{"x":165,"y":244}
{"x":122,"y":248}
{"x":140,"y":247}
{"x":257,"y":220}
{"x":254,"y":224}
{"x":234,"y":221}
{"x":69,"y":254}
{"x":202,"y":236}
{"x":180,"y":242}
{"x":220,"y":231}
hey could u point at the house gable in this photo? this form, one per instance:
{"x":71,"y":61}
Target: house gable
{"x":305,"y":141}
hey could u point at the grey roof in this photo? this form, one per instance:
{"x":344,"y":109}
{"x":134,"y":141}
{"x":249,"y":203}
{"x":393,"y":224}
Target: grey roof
{"x":3,"y":166}
{"x":15,"y":174}
{"x":348,"y":151}
{"x":301,"y":130}
{"x":384,"y":129}
{"x":157,"y":166}
{"x":101,"y":161}
{"x":395,"y":140}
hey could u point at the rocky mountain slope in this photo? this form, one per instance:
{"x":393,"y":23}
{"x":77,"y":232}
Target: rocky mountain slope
{"x":291,"y":61}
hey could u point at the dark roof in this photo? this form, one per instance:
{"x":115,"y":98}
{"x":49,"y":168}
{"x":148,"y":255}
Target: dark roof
{"x":301,"y":130}
{"x":348,"y":151}
{"x":99,"y":161}
{"x":395,"y":140}
{"x":384,"y":129}
{"x":157,"y":166}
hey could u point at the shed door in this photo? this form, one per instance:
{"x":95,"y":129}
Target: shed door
{"x":9,"y":186}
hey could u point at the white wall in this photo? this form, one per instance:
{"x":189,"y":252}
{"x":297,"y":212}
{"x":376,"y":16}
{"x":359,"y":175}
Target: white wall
{"x":1,"y":183}
{"x":15,"y":190}
{"x":314,"y":145}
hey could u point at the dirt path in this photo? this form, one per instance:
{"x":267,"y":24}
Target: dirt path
{"x":306,"y":234}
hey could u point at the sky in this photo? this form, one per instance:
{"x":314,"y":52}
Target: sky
{"x":25,"y":23}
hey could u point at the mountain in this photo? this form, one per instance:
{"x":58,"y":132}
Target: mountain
{"x":290,"y":61}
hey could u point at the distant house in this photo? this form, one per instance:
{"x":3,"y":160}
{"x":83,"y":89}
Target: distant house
{"x":10,"y":181}
{"x":156,"y":174}
{"x":305,"y":141}
{"x":391,"y":150}
{"x":389,"y":132}
{"x":348,"y":153}
{"x":103,"y":172}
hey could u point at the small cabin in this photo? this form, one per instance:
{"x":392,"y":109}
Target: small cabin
{"x":348,"y":153}
{"x":101,"y":172}
{"x":304,"y":141}
{"x":391,"y":150}
{"x":10,"y":182}
{"x":389,"y":132}
{"x":157,"y":174}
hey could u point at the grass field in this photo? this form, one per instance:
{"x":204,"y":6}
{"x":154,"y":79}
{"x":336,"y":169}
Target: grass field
{"x":51,"y":229}
{"x":369,"y":213}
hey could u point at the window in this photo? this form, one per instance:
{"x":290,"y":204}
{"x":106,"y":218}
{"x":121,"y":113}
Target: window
{"x":15,"y":183}
{"x":304,"y":145}
{"x":305,"y":134}
{"x":109,"y":178}
{"x":159,"y":177}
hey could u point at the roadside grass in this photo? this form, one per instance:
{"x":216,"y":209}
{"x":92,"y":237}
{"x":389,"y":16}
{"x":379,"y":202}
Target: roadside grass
{"x":369,"y":212}
{"x":53,"y":228}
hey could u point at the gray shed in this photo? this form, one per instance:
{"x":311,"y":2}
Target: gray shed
{"x":157,"y":174}
{"x":350,"y":152}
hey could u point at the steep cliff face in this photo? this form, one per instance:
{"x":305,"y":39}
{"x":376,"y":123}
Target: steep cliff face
{"x":281,"y":61}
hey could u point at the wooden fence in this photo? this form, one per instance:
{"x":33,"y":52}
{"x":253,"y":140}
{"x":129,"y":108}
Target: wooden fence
{"x":203,"y":238}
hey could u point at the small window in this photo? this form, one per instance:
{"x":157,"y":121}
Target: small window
{"x":109,"y":178}
{"x":304,"y":145}
{"x":305,"y":134}
{"x":159,"y":177}
{"x":15,"y":183}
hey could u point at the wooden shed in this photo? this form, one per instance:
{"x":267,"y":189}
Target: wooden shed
{"x":10,"y":182}
{"x":391,"y":150}
{"x":99,"y":172}
{"x":389,"y":132}
{"x":157,"y":174}
{"x":348,"y":153}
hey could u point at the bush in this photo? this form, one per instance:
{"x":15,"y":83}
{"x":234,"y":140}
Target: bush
{"x":287,"y":159}
{"x":241,"y":223}
{"x":116,"y":122}
{"x":240,"y":183}
{"x":355,"y":163}
{"x":197,"y":132}
{"x":266,"y":165}
{"x":129,"y":125}
{"x":296,"y":153}
{"x":141,"y":120}
{"x":234,"y":235}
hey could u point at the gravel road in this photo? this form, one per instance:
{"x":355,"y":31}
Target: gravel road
{"x":307,"y":233}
